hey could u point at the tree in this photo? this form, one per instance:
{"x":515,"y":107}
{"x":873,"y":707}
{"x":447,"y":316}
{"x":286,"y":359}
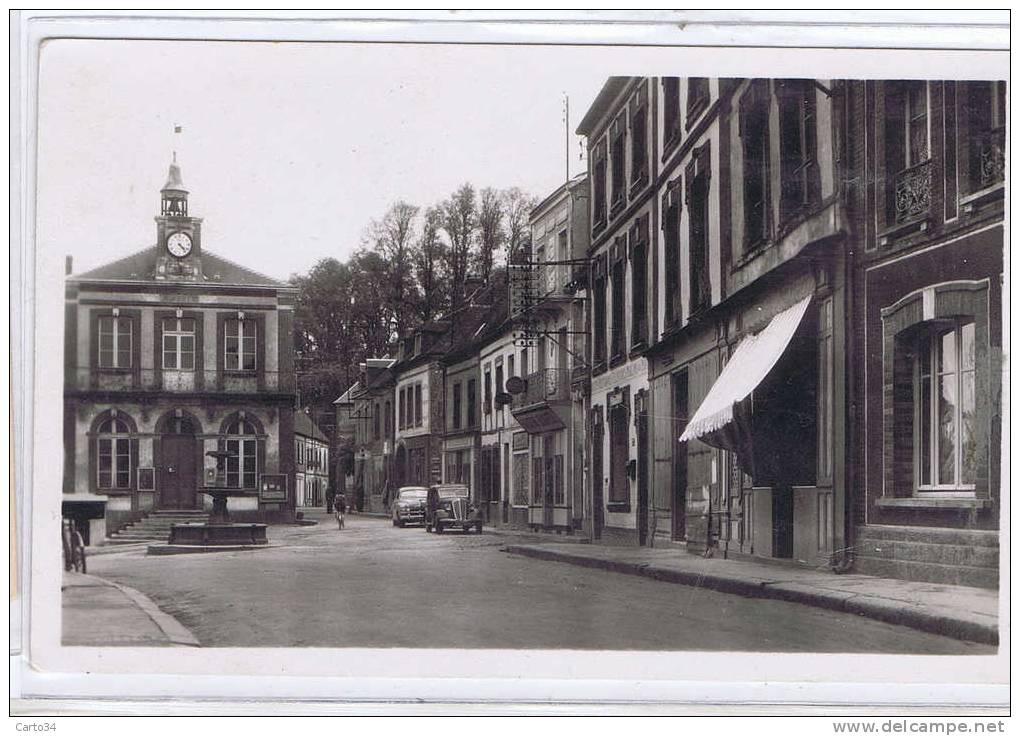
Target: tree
{"x":518,"y":206}
{"x":393,"y":239}
{"x":429,"y":266}
{"x":459,"y":222}
{"x":491,"y":235}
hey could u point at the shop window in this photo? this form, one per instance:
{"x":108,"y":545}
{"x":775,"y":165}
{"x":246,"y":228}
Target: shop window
{"x":945,"y":453}
{"x":115,"y":339}
{"x":754,"y":139}
{"x":797,"y":146}
{"x":113,"y":450}
{"x":179,"y":344}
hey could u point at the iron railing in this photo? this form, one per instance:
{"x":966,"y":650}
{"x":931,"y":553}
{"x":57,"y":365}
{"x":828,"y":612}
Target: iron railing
{"x":172,"y":381}
{"x":549,"y":385}
{"x":913,"y":192}
{"x":992,"y":156}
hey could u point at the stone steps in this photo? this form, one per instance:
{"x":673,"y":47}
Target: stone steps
{"x":156,"y":526}
{"x":927,"y":554}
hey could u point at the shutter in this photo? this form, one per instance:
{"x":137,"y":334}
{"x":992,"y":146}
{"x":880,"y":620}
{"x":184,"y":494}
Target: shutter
{"x":484,"y":475}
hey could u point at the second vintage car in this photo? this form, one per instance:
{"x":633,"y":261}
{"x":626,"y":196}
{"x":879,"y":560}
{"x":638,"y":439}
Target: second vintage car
{"x":449,"y":507}
{"x":409,"y":505}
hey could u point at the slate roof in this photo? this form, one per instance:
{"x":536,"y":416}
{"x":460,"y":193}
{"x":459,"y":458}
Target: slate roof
{"x":141,"y":266}
{"x":304,"y":426}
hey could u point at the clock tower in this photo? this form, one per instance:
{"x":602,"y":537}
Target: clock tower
{"x":178,"y":235}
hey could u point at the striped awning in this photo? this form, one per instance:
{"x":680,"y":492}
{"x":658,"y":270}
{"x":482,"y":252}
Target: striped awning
{"x":756,"y":355}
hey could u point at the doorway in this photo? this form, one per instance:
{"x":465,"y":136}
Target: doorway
{"x":178,"y":481}
{"x":550,"y":480}
{"x":640,"y":404}
{"x":597,"y":476}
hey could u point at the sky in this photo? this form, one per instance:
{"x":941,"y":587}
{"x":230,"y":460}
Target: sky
{"x":289,"y":149}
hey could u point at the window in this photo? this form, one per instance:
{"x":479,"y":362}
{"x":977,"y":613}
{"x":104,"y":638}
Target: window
{"x":376,"y":421}
{"x":499,"y":379}
{"x":754,"y":138}
{"x":697,"y":98}
{"x":619,"y":455}
{"x":619,"y":289}
{"x":487,"y":389}
{"x":456,"y":406}
{"x":388,"y":427}
{"x":472,"y":409}
{"x":179,"y":344}
{"x":521,"y":486}
{"x":114,"y":455}
{"x":986,"y":112}
{"x":907,"y":151}
{"x":599,"y":347}
{"x":671,"y":109}
{"x":115,"y":336}
{"x":402,"y":406}
{"x":242,"y":445}
{"x":239,"y":345}
{"x":598,"y":169}
{"x":797,"y":147}
{"x":417,"y":405}
{"x":510,"y":365}
{"x":701,"y":284}
{"x":825,"y":391}
{"x":639,"y":281}
{"x":671,"y":245}
{"x":639,"y":138}
{"x":946,"y":447}
{"x":618,"y":157}
{"x":558,"y":481}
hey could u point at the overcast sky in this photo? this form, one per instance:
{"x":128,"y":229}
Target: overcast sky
{"x":288,"y":150}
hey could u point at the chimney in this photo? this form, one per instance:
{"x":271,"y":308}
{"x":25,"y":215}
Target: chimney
{"x":68,"y":265}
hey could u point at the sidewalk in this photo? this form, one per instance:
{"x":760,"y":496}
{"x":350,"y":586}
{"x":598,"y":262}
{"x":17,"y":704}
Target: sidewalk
{"x":127,"y":617}
{"x":959,"y":612}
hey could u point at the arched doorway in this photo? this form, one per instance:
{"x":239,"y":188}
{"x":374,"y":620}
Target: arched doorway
{"x":179,"y":462}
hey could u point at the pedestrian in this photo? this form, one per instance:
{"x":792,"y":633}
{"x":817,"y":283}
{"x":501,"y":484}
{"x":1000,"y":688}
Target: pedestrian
{"x":330,"y":496}
{"x":340,"y":506}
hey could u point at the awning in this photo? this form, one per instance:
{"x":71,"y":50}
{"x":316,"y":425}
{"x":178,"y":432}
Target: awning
{"x":752,"y":360}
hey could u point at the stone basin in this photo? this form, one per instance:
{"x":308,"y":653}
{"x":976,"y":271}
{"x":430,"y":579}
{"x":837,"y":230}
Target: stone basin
{"x":215,"y":534}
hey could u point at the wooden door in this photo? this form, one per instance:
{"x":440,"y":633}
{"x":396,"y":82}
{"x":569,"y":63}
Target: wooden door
{"x":178,"y":480}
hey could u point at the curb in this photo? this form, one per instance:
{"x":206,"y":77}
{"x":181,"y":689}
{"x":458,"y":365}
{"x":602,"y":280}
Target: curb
{"x":172,"y":629}
{"x":879,"y":609}
{"x":191,"y":549}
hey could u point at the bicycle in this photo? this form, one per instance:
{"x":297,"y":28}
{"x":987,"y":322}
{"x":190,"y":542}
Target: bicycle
{"x":74,"y":550}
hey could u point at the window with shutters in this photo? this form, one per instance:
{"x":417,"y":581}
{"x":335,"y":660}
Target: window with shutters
{"x":619,"y":327}
{"x":239,"y":345}
{"x":907,"y":143}
{"x":639,"y":281}
{"x":472,"y":406}
{"x":179,"y":344}
{"x":639,"y":138}
{"x":986,"y":122}
{"x":618,"y":162}
{"x":598,"y":169}
{"x":698,"y":176}
{"x":671,"y":254}
{"x":670,"y":111}
{"x":599,"y":342}
{"x":697,"y":99}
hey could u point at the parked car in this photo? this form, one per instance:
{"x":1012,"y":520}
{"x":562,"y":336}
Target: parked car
{"x":409,"y":505}
{"x":449,"y":507}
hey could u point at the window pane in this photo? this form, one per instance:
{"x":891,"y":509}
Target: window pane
{"x":967,"y":346}
{"x":968,"y":442}
{"x":188,"y":325}
{"x":947,"y":352}
{"x":232,"y":327}
{"x":947,"y":429}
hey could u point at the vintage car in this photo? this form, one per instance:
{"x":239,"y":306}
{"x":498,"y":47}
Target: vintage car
{"x":449,"y":507}
{"x":409,"y":505}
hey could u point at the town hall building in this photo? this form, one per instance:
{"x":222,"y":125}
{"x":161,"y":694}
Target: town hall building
{"x":170,"y":353}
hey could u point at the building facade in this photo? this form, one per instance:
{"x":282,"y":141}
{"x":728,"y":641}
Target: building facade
{"x":622,"y":171}
{"x":419,"y":399}
{"x":551,"y":408}
{"x":170,"y":353}
{"x":926,"y":190}
{"x":311,"y":463}
{"x":371,"y":406}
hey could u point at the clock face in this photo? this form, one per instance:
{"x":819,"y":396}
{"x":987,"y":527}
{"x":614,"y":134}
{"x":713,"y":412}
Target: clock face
{"x":179,"y":244}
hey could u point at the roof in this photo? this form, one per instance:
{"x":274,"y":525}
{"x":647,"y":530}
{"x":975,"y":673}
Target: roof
{"x":347,"y":397}
{"x":140,"y":267}
{"x":538,"y":210}
{"x":610,"y":90}
{"x":488,"y":308}
{"x":174,"y":183}
{"x":304,"y":426}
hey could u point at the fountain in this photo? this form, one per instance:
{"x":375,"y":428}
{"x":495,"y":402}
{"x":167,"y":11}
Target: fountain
{"x":219,"y":533}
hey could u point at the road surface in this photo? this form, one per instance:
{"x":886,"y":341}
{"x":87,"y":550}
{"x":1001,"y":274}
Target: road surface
{"x":373,"y":585}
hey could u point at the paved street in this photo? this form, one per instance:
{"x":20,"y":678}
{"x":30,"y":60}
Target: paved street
{"x":375,"y":585}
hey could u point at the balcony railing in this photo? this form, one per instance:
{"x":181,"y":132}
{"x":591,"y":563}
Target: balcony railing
{"x":172,"y":381}
{"x":992,"y":156}
{"x":913,"y":192}
{"x":549,"y":386}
